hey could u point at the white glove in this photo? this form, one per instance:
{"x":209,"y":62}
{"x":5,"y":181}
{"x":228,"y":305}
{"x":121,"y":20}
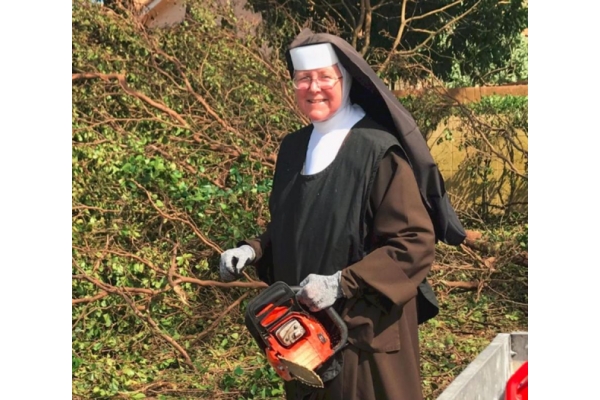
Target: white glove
{"x":320,"y":291}
{"x":233,"y":262}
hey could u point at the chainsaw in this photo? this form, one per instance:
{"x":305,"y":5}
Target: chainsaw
{"x":297,"y":343}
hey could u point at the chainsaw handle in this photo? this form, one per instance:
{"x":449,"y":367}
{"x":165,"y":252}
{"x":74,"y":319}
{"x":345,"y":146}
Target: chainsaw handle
{"x":335,"y":318}
{"x":277,"y":294}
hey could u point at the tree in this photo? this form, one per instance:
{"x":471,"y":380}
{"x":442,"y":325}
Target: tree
{"x":413,"y":39}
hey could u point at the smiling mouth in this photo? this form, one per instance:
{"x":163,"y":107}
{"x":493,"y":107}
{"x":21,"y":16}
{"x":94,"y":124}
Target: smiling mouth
{"x":317,"y":101}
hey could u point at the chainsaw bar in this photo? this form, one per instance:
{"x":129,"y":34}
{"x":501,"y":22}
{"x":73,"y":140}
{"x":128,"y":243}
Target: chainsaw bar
{"x":302,"y":374}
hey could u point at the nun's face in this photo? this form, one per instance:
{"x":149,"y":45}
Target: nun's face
{"x":319,"y":103}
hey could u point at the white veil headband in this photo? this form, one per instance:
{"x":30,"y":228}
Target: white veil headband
{"x":313,"y":56}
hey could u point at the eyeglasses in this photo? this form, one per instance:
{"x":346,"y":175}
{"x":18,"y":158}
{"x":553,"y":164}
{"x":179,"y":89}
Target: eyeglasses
{"x":323,"y":82}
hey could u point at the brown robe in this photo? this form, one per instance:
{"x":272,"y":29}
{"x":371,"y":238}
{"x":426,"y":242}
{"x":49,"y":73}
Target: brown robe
{"x":382,"y":358}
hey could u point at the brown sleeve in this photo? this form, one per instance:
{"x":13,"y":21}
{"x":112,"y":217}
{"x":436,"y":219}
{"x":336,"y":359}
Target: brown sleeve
{"x":259,"y":244}
{"x":403,"y":237}
{"x":263,"y":258}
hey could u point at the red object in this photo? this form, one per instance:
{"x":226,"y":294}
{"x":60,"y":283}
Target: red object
{"x":310,"y":351}
{"x":296,"y":343}
{"x":517,"y":385}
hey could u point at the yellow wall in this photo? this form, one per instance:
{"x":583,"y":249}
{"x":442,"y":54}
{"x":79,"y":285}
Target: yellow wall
{"x":466,"y":192}
{"x":470,"y":94}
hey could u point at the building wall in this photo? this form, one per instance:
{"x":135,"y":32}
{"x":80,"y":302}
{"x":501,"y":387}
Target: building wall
{"x":468,"y":191}
{"x":470,"y":94}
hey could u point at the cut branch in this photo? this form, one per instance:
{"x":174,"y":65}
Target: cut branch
{"x":146,"y":317}
{"x":201,"y":236}
{"x":176,"y":288}
{"x":99,"y":296}
{"x":462,"y":285}
{"x":123,"y":82}
{"x":220,"y":317}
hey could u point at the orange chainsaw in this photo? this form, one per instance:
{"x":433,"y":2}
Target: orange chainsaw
{"x":297,"y":343}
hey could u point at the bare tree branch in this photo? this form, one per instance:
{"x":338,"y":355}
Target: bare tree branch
{"x":122,"y":81}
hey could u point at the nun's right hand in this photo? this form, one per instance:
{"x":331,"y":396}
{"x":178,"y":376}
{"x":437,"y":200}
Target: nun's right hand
{"x":233,"y":262}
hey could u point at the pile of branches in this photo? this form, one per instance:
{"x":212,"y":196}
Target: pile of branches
{"x":175,"y":134}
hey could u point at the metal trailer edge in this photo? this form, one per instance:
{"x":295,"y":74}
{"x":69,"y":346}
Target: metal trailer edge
{"x":485,"y":378}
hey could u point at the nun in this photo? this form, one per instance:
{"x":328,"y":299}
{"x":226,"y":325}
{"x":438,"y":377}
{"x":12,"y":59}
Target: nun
{"x":356,"y":208}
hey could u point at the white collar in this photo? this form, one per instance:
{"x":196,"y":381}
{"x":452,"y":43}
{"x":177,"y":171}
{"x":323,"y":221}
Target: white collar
{"x":344,"y":119}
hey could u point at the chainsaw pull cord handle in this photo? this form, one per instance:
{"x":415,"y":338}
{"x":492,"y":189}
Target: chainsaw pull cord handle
{"x":337,"y":320}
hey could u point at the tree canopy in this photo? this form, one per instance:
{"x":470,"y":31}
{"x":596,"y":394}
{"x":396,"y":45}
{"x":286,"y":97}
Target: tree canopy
{"x":478,"y":41}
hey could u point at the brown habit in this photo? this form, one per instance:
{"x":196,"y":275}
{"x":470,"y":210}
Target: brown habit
{"x":407,"y":211}
{"x":382,"y":360}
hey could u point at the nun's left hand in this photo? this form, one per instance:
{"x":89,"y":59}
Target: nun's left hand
{"x":320,"y":291}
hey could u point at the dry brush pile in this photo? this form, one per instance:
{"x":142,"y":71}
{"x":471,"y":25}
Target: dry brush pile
{"x":175,"y":134}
